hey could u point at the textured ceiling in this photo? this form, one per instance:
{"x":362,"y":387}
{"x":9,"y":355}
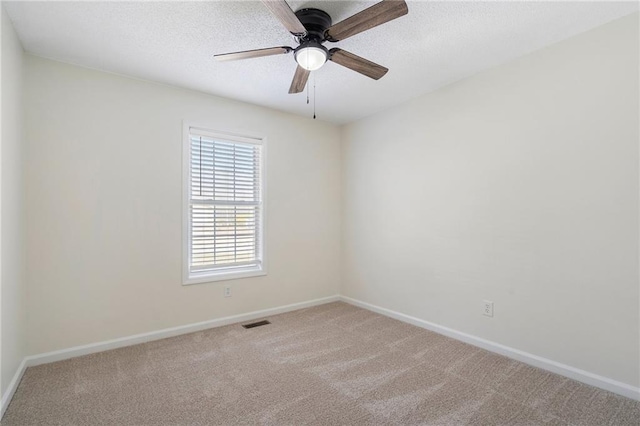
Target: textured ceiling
{"x":174,"y":43}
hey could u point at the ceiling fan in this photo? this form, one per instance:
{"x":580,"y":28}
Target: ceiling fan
{"x":313,"y":27}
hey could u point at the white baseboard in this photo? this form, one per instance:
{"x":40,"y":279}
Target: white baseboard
{"x":76,"y":351}
{"x":13,"y":386}
{"x":168,"y":332}
{"x":525,"y":357}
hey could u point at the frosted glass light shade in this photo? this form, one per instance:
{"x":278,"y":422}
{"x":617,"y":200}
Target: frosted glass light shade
{"x":311,"y":58}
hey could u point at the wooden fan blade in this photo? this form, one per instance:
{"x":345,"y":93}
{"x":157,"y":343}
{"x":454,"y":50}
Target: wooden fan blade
{"x":247,"y":54}
{"x":357,"y":64}
{"x":378,"y":14}
{"x":281,"y":10}
{"x":299,"y":80}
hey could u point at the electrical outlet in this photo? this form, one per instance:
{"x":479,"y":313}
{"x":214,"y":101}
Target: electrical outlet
{"x":227,"y":291}
{"x":487,"y":308}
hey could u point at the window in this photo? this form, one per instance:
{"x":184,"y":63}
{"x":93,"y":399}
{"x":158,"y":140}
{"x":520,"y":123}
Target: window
{"x":223,"y":206}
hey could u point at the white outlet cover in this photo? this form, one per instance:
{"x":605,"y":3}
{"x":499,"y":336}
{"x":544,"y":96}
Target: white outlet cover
{"x":487,"y":308}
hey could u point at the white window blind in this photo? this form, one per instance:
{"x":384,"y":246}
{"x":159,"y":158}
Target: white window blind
{"x":225,"y":203}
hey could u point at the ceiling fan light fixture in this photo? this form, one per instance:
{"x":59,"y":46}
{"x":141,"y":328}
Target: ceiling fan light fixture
{"x":311,"y":58}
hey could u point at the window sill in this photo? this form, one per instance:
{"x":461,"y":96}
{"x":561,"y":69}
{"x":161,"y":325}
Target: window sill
{"x":223,"y":276}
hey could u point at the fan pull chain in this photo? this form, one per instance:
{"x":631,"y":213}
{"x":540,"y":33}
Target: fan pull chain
{"x":314,"y":96}
{"x":307,"y":94}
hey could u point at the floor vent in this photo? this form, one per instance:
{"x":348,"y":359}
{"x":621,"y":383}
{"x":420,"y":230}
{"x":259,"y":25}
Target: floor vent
{"x":256,"y":324}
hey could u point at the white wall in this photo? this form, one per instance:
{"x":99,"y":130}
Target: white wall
{"x":518,"y":185}
{"x":12,"y":288}
{"x":104,"y":210}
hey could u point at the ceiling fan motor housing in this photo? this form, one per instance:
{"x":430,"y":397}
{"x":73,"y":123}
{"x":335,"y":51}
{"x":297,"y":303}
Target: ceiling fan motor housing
{"x":316,"y":22}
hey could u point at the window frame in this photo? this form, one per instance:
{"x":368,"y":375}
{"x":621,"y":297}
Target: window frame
{"x":188,"y":277}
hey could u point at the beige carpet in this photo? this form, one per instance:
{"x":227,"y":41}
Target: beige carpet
{"x":329,"y":365}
